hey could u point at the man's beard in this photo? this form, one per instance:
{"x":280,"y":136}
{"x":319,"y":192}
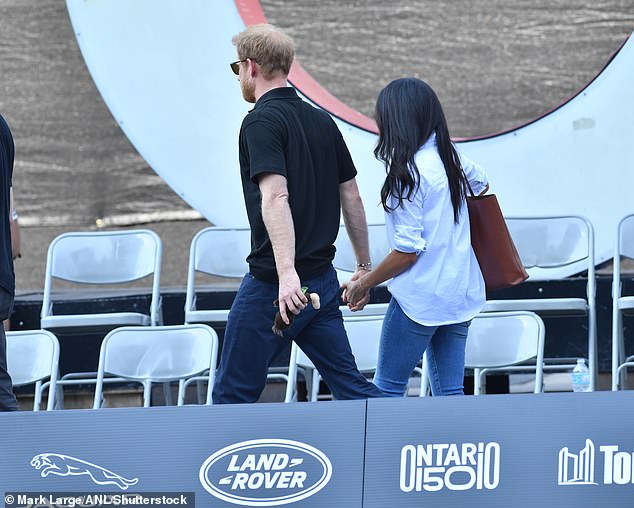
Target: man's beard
{"x":248,"y":90}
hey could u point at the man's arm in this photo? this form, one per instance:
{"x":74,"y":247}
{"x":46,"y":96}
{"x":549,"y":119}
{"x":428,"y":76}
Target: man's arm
{"x":356,"y":226}
{"x":278,"y":220}
{"x":354,"y":219}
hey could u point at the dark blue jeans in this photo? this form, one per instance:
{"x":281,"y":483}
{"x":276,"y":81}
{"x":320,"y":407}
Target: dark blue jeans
{"x":250,"y":345}
{"x":7,"y":398}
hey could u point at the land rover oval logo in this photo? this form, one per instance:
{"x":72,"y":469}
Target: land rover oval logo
{"x":265,"y":472}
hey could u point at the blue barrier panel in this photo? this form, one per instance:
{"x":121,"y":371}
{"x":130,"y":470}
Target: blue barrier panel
{"x":549,"y":450}
{"x":310,"y":455}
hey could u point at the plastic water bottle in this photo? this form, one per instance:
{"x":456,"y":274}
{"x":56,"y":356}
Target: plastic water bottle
{"x":580,"y":377}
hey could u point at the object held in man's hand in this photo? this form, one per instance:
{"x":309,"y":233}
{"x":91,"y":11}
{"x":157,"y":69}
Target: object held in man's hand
{"x":279,"y":325}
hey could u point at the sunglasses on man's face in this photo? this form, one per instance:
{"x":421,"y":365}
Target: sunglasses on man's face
{"x":235,"y":66}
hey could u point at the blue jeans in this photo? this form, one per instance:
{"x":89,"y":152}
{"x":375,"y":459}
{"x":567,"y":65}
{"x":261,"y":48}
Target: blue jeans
{"x":403,"y":343}
{"x":250,"y":346}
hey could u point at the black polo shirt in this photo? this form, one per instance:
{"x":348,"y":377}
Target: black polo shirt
{"x":285,"y":135}
{"x":7,"y":278}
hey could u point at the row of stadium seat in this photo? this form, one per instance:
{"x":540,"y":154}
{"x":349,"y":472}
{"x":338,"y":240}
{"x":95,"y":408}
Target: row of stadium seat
{"x":545,"y":245}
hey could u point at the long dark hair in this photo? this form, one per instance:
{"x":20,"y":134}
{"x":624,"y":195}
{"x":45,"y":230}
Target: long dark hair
{"x":407,"y":113}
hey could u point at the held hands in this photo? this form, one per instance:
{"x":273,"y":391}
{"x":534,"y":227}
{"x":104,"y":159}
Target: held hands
{"x":356,"y":293}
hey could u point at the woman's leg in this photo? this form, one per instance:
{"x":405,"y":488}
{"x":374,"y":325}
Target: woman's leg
{"x":445,"y":359}
{"x":403,"y":343}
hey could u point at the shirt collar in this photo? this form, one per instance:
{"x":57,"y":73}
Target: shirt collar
{"x":285,"y":92}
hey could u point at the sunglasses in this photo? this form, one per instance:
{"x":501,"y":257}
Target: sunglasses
{"x":235,"y":66}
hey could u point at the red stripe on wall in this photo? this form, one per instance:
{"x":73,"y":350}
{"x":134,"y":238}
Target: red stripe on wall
{"x":252,"y":14}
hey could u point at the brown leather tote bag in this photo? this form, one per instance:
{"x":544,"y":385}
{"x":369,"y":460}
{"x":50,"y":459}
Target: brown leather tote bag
{"x":492,"y":244}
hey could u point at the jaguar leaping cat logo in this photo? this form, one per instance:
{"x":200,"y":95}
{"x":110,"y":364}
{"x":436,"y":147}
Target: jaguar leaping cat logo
{"x":63,"y":465}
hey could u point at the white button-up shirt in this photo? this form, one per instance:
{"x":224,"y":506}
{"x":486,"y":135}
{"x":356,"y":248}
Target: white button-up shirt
{"x":444,"y":285}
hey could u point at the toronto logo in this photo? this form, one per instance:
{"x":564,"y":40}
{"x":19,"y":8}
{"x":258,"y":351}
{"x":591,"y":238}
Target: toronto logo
{"x":64,"y":465}
{"x":265,"y":472}
{"x":578,"y":468}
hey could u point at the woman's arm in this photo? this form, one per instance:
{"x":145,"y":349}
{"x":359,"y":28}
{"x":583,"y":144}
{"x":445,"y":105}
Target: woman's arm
{"x":394,"y":264}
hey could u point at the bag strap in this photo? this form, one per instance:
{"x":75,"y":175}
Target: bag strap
{"x":468,"y":185}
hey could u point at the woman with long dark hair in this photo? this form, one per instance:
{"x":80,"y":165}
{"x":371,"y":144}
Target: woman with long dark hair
{"x":436,"y":283}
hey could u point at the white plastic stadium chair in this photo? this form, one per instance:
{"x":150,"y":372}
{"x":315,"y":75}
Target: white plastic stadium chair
{"x":345,"y":261}
{"x":501,"y":341}
{"x":364,"y":334}
{"x":32,"y":358}
{"x":103,"y":258}
{"x":220,"y":252}
{"x":622,"y":304}
{"x":158,"y":354}
{"x":546,"y":245}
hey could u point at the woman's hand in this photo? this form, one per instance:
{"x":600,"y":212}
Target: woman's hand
{"x":356,"y":293}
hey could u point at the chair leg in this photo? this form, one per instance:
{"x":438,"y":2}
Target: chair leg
{"x":308,"y":379}
{"x":622,"y":355}
{"x":478,"y":382}
{"x":200,"y":392}
{"x":617,"y":352}
{"x":592,"y":348}
{"x":37,"y":396}
{"x":539,"y":380}
{"x":50,"y":403}
{"x":314,"y":389}
{"x":180,"y":399}
{"x":147,"y":393}
{"x":167,"y":391}
{"x":424,"y":378}
{"x":291,"y":385}
{"x":59,"y":397}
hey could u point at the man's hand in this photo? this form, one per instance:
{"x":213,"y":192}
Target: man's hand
{"x":355,"y":293}
{"x":290,"y":296}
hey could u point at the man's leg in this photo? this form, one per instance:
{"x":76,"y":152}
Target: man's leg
{"x":7,"y":398}
{"x":249,"y":344}
{"x":325,"y":342}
